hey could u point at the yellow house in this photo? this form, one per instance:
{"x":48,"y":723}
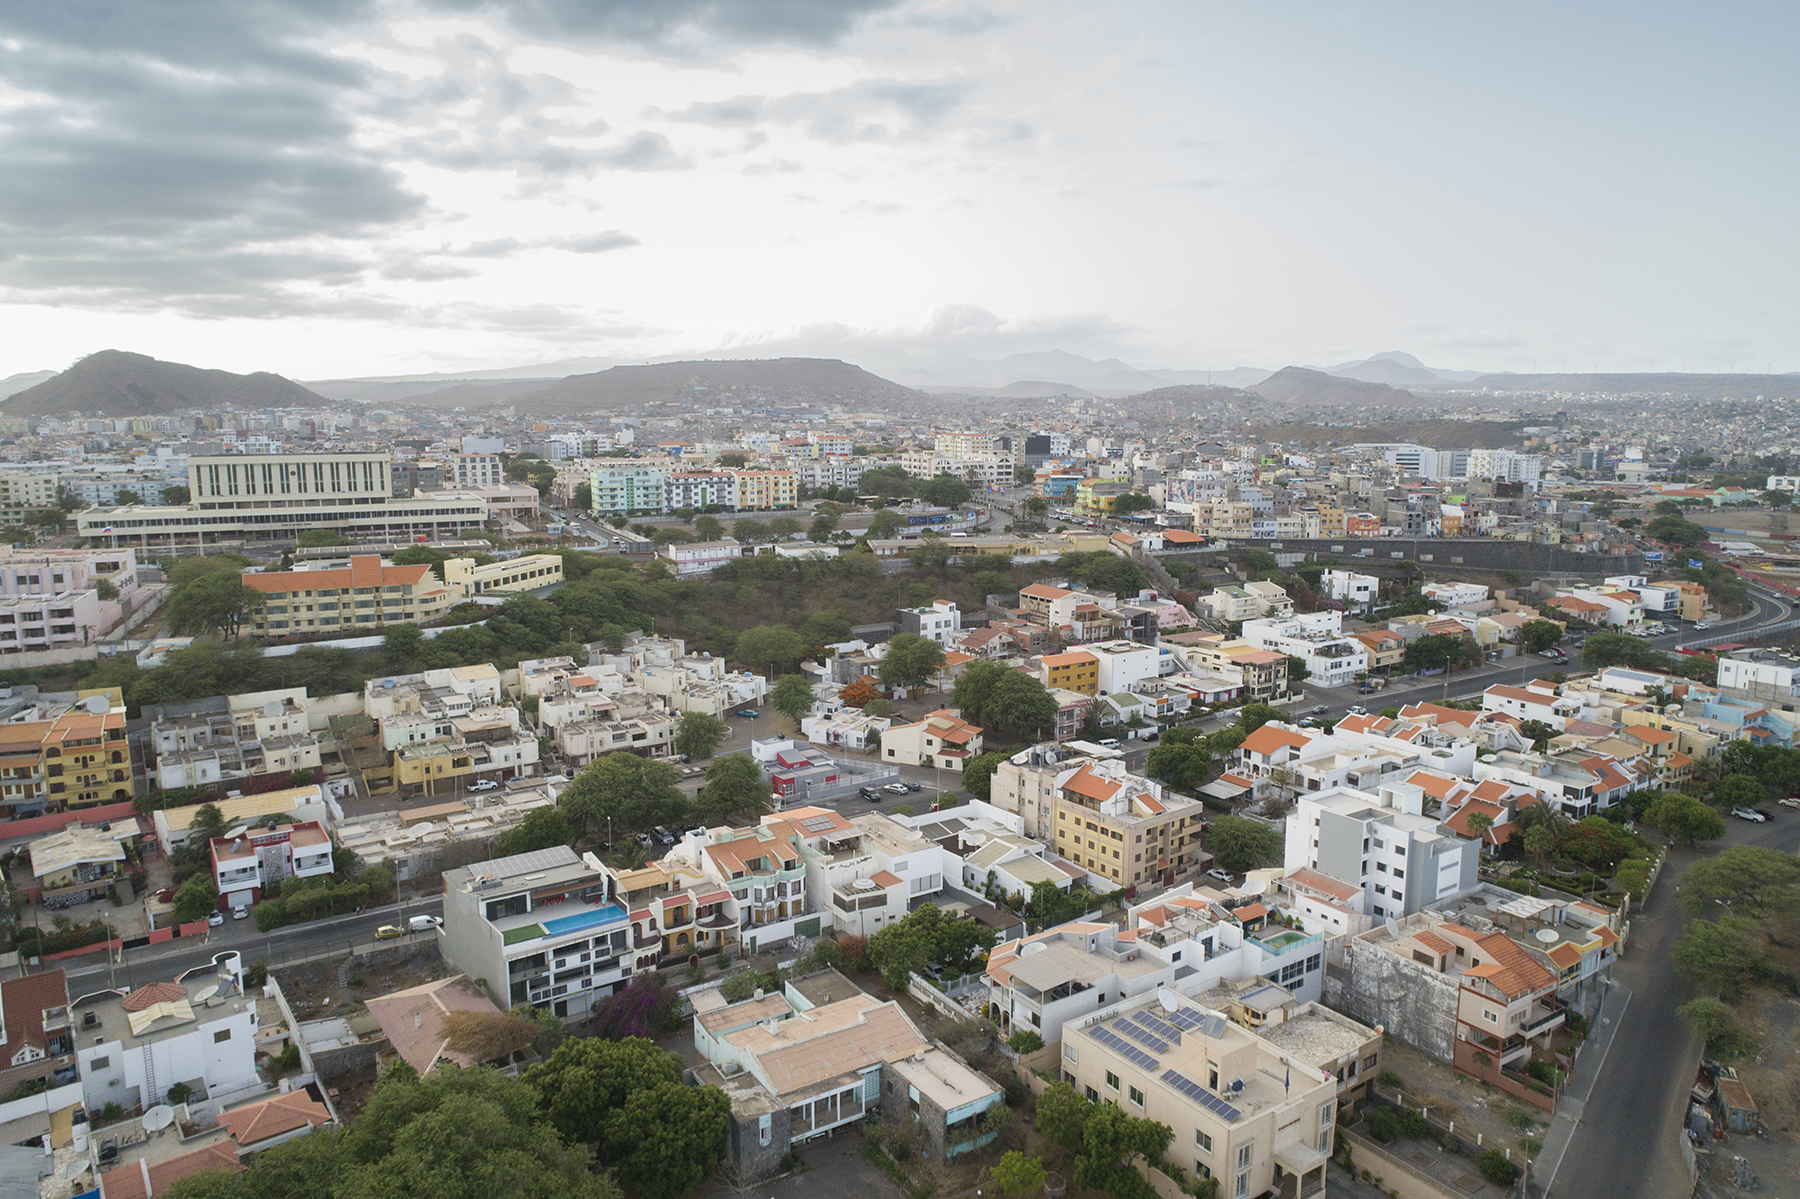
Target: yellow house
{"x":520,"y":574}
{"x":361,"y":597}
{"x":767,"y":489}
{"x":1076,"y":670}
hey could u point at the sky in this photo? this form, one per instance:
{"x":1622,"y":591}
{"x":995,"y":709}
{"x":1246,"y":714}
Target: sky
{"x":330,"y":188}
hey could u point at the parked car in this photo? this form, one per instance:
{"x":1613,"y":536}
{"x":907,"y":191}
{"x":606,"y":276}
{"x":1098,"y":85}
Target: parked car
{"x":1792,"y":801}
{"x":240,"y":912}
{"x":1219,"y":874}
{"x":748,"y":713}
{"x":1750,"y":814}
{"x":424,"y":924}
{"x":663,"y":835}
{"x":913,"y":786}
{"x":1358,"y":710}
{"x":645,"y":840}
{"x":1702,"y":624}
{"x":896,"y":788}
{"x":1152,"y":735}
{"x":388,"y":932}
{"x":1321,"y":709}
{"x":215,"y":918}
{"x":1108,"y":743}
{"x":871,"y":794}
{"x":483,"y":785}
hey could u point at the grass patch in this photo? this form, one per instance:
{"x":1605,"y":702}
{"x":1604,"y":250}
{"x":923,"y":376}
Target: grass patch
{"x":526,"y":933}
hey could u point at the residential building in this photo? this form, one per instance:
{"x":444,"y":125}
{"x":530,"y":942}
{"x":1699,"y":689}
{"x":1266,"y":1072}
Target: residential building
{"x":941,"y":621}
{"x":477,"y":470}
{"x":296,"y":805}
{"x":1244,"y":1111}
{"x":1536,"y":701}
{"x":1332,"y":659}
{"x":703,"y":557}
{"x":37,"y":623}
{"x":1252,"y":601}
{"x":77,"y":864}
{"x":766,"y":490}
{"x":77,"y":760}
{"x":230,"y":737}
{"x":699,"y":490}
{"x":676,"y":911}
{"x":943,"y":739}
{"x":248,"y":864}
{"x":1077,"y":671}
{"x":532,"y":572}
{"x":1382,"y":842}
{"x":200,"y":1030}
{"x":1455,"y":595}
{"x":37,"y":1036}
{"x":624,"y":487}
{"x":649,"y":735}
{"x":764,"y":871}
{"x":1355,"y":591}
{"x":1261,"y":673}
{"x":44,"y":573}
{"x":542,"y":928}
{"x":367,"y":593}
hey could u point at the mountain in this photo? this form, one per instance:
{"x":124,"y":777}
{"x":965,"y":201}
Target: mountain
{"x":14,"y":384}
{"x":115,"y":383}
{"x":951,"y":372}
{"x":1298,"y":385}
{"x":1398,"y":369}
{"x":1671,"y":383}
{"x":712,"y":384}
{"x":1029,"y":389}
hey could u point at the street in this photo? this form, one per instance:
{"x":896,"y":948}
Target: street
{"x":1626,"y":1143}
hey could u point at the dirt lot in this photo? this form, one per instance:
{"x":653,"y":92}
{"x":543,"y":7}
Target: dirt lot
{"x":1774,"y":1082}
{"x":331,"y":986}
{"x":1475,"y":1107}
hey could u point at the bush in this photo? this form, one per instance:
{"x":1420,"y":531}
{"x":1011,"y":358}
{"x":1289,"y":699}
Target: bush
{"x":1389,"y":1078}
{"x":1495,"y":1168}
{"x":1025,"y":1041}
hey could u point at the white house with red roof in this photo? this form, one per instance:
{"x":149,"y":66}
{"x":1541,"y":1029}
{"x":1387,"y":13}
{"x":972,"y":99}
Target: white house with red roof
{"x":943,"y":739}
{"x":1541,"y":702}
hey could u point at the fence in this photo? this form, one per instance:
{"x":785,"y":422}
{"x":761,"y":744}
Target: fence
{"x":945,"y":1001}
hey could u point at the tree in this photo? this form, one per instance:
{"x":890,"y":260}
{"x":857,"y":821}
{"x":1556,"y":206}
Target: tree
{"x":1133,"y":502}
{"x":1539,"y":635}
{"x":665,"y":1139}
{"x":825,"y":628}
{"x":1016,"y":1174}
{"x":1110,"y":1142}
{"x":945,"y":491}
{"x":878,"y":707}
{"x":708,"y":528}
{"x":911,"y":660}
{"x":126,"y":496}
{"x":1740,"y":791}
{"x":1478,"y":825}
{"x":1538,"y":733}
{"x":698,"y":734}
{"x":749,"y":531}
{"x":1185,"y":765}
{"x":1675,"y":530}
{"x":978,"y":775}
{"x":1253,"y":716}
{"x":635,"y":793}
{"x":1005,"y":700}
{"x":923,"y":936}
{"x":1683,"y":818}
{"x":885,"y":523}
{"x":1717,"y":955}
{"x":792,"y":696}
{"x":1595,"y":841}
{"x":1435,"y":651}
{"x":213,"y":603}
{"x":771,"y":648}
{"x":735,"y":788}
{"x":824,"y":524}
{"x":1037,"y":506}
{"x":1240,"y":844}
{"x":1539,"y":842}
{"x":858,"y":693}
{"x":542,"y":828}
{"x":1750,"y":880}
{"x":176,"y":495}
{"x":589,"y":1077}
{"x":208,"y":823}
{"x":1025,"y":1041}
{"x":1062,"y":1116}
{"x":196,"y":898}
{"x":784,"y":527}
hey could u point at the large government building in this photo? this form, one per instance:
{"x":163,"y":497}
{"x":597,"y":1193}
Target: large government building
{"x":238,"y":498}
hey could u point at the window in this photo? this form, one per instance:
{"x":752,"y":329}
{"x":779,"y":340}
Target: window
{"x":1245,"y":1152}
{"x":1200,"y":1170}
{"x":1243,"y":1185}
{"x":1325,"y":1115}
{"x":1112,"y":1080}
{"x":220,"y":1037}
{"x":1137,"y":1096}
{"x":1203,"y":1140}
{"x":100,"y":1063}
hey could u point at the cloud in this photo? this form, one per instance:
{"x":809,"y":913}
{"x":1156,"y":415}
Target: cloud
{"x":645,"y":152}
{"x":864,"y":111}
{"x":966,"y":329}
{"x":676,"y":25}
{"x":598,"y":243}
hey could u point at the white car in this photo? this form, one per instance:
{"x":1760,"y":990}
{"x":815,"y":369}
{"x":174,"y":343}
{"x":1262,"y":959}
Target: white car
{"x":1357,"y":710}
{"x":1221,"y":875}
{"x":1750,"y":814}
{"x":1701,"y":624}
{"x":484,"y":785}
{"x":215,"y":918}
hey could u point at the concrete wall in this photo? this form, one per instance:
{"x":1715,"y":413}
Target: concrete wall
{"x":1410,"y":1001}
{"x":1476,"y":553}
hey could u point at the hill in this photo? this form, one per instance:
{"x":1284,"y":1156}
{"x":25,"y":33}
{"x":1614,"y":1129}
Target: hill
{"x":115,"y":383}
{"x":1669,"y":383}
{"x":1297,"y":385}
{"x":722,"y":383}
{"x":1475,"y":434}
{"x":14,"y":384}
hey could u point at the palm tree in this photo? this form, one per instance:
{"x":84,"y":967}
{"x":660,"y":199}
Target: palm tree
{"x":1539,"y":842}
{"x":1478,"y":825}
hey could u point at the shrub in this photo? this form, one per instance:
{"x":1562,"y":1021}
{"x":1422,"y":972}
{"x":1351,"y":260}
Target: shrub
{"x":1495,"y":1168}
{"x":1025,"y":1041}
{"x":1389,"y":1078}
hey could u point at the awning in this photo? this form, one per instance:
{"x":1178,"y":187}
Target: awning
{"x":1220,"y":789}
{"x":1297,"y":1157}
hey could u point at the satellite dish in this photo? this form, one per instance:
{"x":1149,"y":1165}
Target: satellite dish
{"x":1393,"y":930}
{"x":97,"y":705}
{"x":159,"y":1117}
{"x":1546,"y":935}
{"x":1168,"y":1000}
{"x":205,"y":994}
{"x":272,"y":708}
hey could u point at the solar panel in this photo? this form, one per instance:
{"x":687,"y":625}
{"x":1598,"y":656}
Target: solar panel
{"x":1123,"y":1048}
{"x":1142,"y":1036}
{"x":1165,"y":1031}
{"x":813,"y":824}
{"x":1210,"y":1024}
{"x":1201,"y":1095}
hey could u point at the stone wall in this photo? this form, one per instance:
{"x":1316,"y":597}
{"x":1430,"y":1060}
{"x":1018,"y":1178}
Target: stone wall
{"x":335,"y":1063}
{"x":748,"y":1158}
{"x":1411,"y":1002}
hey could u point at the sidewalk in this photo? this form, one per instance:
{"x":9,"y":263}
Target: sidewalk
{"x":1588,"y":1064}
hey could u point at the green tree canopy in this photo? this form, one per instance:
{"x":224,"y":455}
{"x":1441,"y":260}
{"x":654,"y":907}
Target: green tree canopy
{"x":636,"y":793}
{"x":885,"y":523}
{"x":1111,"y":1141}
{"x":665,"y":1139}
{"x":1240,"y":844}
{"x":214,"y":603}
{"x":1017,"y":1174}
{"x":735,"y":789}
{"x":945,"y":491}
{"x":911,"y":660}
{"x":783,"y":527}
{"x":1719,"y":955}
{"x":749,"y":531}
{"x":1750,"y":880}
{"x":196,"y":899}
{"x":825,"y":628}
{"x":1683,"y":818}
{"x":771,"y":649}
{"x":978,"y":775}
{"x":1003,"y":699}
{"x":1740,"y":790}
{"x":1253,"y":716}
{"x":1062,"y":1116}
{"x":698,"y":734}
{"x":588,"y":1078}
{"x":1132,"y":502}
{"x":927,"y":935}
{"x":542,"y":828}
{"x":1185,"y":765}
{"x":176,"y":494}
{"x":792,"y":696}
{"x":1539,"y":635}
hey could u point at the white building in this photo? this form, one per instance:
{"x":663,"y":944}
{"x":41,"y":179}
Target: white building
{"x":1382,"y":842}
{"x":1332,"y":659}
{"x":1455,"y":595}
{"x":1124,"y":664}
{"x":1347,"y":587}
{"x":246,"y":864}
{"x":478,"y":470}
{"x":134,"y":1046}
{"x":941,"y":621}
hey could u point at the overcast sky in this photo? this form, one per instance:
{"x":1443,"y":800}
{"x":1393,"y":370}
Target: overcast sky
{"x":337,"y":187}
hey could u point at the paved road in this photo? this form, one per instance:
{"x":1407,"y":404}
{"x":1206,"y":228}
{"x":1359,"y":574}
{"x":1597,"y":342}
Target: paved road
{"x":1626,"y":1144}
{"x":284,"y":946}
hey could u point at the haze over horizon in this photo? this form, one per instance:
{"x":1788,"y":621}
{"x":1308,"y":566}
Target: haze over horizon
{"x":369,"y":188}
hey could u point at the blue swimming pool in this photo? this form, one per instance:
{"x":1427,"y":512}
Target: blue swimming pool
{"x":586,"y":918}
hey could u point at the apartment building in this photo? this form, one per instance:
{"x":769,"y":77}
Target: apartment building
{"x":1382,"y":843}
{"x":1252,"y":601}
{"x":247,"y":865}
{"x":1243,"y":1111}
{"x":1354,"y":591}
{"x":477,"y":470}
{"x":1579,"y":782}
{"x":648,"y":734}
{"x":76,"y":760}
{"x":764,"y":871}
{"x":939,"y":621}
{"x":46,"y":573}
{"x":943,"y":739}
{"x":38,"y":1072}
{"x":38,"y":623}
{"x":675,"y":910}
{"x":1332,"y":659}
{"x":1541,"y":702}
{"x":532,"y":572}
{"x":543,"y":928}
{"x":624,"y":487}
{"x":484,"y":746}
{"x":1077,"y":671}
{"x":230,"y":737}
{"x":1261,"y":673}
{"x":24,"y":491}
{"x":200,"y":1029}
{"x":269,"y":496}
{"x":1123,"y":665}
{"x":700,"y":489}
{"x":367,"y":593}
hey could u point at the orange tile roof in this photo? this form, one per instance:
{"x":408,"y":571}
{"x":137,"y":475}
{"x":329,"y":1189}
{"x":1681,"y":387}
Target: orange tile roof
{"x":1564,"y":955}
{"x":1460,"y":821}
{"x":1433,"y":942}
{"x":259,"y":1121}
{"x":1254,"y":911}
{"x":151,"y":994}
{"x":1507,"y":965}
{"x":1648,"y":735}
{"x":1267,"y":739}
{"x":1433,"y":784}
{"x":1086,"y":783}
{"x":1313,"y":880}
{"x":1072,"y":658}
{"x":365,"y":570}
{"x":884,"y":878}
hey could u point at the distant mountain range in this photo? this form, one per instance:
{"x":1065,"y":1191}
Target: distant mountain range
{"x":116,"y":383}
{"x":1396,"y":369}
{"x":13,"y":384}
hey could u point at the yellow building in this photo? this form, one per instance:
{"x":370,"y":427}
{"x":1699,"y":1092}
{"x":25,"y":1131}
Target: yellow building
{"x":520,"y":574}
{"x":360,"y":598}
{"x":77,"y":760}
{"x":1076,"y":670}
{"x":1117,"y":828}
{"x":762,"y":489}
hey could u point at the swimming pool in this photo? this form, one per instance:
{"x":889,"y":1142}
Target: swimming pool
{"x":587,"y":918}
{"x":1282,"y":940}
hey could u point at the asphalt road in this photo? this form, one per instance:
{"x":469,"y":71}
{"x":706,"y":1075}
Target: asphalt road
{"x":283,"y":947}
{"x":1627,"y":1144}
